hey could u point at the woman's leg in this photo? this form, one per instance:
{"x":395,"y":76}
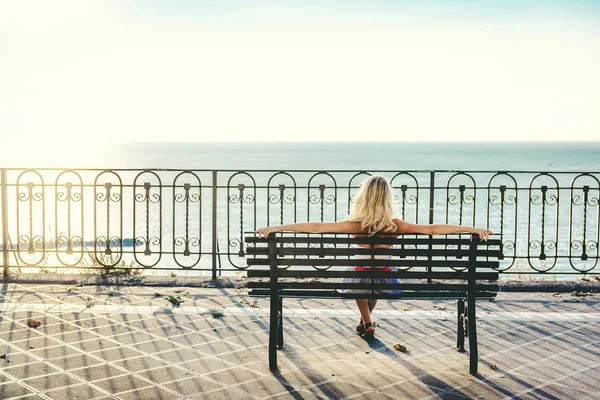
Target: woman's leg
{"x":363,"y":308}
{"x":372,"y":303}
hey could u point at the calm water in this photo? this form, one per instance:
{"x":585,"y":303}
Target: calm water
{"x":325,"y":156}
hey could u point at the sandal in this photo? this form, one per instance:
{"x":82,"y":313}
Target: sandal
{"x":360,"y":328}
{"x":369,"y":331}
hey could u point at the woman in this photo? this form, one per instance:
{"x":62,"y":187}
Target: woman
{"x":373,"y":213}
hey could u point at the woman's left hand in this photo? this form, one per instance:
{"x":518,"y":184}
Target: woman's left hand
{"x":264,"y":232}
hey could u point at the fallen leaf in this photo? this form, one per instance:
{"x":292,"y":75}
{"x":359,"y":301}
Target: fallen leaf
{"x":400,"y":347}
{"x":408,"y":309}
{"x":32,"y":323}
{"x":175,"y":300}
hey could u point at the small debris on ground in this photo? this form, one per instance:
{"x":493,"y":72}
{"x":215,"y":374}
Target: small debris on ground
{"x":32,"y":323}
{"x":571,"y":300}
{"x":89,"y":302}
{"x":178,"y":291}
{"x":408,"y":309}
{"x":157,"y":294}
{"x":400,"y":347}
{"x":173,"y":275}
{"x":3,"y":356}
{"x":494,"y":367}
{"x":580,"y":294}
{"x":175,"y":300}
{"x":216,"y":314}
{"x":439,"y":307}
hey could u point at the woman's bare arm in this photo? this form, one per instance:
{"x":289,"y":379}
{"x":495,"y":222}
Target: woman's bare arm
{"x":312,"y":227}
{"x":440,"y":229}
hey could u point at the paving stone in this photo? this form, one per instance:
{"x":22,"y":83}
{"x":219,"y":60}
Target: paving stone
{"x":205,"y":365}
{"x":54,"y":352}
{"x":12,"y":389}
{"x":132,"y":337}
{"x":149,"y":393}
{"x":217,"y":347}
{"x":123,"y":383}
{"x":74,"y":362}
{"x":111,"y":329}
{"x":36,"y":342}
{"x":16,"y":358}
{"x":165,"y":374}
{"x":233,"y":376}
{"x":97,"y":372}
{"x":55,"y":380}
{"x":157,"y":346}
{"x":76,"y":336}
{"x":180,"y":355}
{"x":139,"y":363}
{"x":225,"y":394}
{"x":194,"y":385}
{"x":79,"y":392}
{"x":244,"y":357}
{"x":30,"y":370}
{"x":116,"y":353}
{"x":95,"y":344}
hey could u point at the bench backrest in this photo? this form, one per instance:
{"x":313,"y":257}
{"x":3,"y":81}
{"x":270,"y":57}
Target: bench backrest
{"x":454,"y":260}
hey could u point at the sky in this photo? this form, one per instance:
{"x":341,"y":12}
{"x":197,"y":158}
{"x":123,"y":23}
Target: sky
{"x":84,"y":72}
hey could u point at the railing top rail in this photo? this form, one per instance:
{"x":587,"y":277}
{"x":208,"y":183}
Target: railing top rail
{"x":461,"y":171}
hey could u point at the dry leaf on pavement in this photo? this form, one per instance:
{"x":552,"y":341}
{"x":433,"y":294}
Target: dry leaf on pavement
{"x":400,"y":347}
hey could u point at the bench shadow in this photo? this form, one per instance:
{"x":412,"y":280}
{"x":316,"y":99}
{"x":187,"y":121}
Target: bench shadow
{"x":432,"y":381}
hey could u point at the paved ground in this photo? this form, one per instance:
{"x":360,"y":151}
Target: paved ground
{"x":131,"y":343}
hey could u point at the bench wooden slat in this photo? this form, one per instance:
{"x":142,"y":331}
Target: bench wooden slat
{"x":291,"y":251}
{"x":403,"y":295}
{"x":341,"y":262}
{"x":376,"y":286}
{"x":285,"y":273}
{"x":421,"y":241}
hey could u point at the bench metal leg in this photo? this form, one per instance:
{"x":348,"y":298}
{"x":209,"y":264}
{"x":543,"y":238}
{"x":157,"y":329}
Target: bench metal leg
{"x":472,"y":334}
{"x":273,"y":333}
{"x":460,"y":335}
{"x":280,"y":325}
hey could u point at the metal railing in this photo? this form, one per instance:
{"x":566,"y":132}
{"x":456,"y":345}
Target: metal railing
{"x":193,"y":221}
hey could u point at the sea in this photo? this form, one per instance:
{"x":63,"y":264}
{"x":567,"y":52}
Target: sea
{"x":371,"y":156}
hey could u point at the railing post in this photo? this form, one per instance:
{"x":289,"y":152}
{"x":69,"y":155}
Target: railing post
{"x":214,"y":225}
{"x":4,"y":199}
{"x":431,"y":205}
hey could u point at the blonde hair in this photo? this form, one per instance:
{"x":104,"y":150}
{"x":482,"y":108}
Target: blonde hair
{"x":373,"y":206}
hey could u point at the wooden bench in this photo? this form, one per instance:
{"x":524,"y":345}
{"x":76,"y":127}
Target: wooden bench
{"x":311,"y":265}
